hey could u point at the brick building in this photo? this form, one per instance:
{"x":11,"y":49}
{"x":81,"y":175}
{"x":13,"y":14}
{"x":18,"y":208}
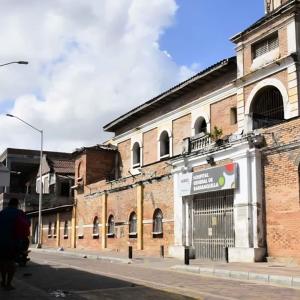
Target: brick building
{"x":211,"y":164}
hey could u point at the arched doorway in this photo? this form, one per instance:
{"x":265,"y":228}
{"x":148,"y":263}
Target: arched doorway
{"x":267,"y":108}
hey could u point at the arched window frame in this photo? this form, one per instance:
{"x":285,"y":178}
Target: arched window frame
{"x":197,"y":129}
{"x":111,"y":226}
{"x":164,"y":144}
{"x":260,"y":108}
{"x":248,"y":124}
{"x":96,"y":227}
{"x":133,"y":225}
{"x":66,"y":229}
{"x":136,"y":155}
{"x":157,"y":229}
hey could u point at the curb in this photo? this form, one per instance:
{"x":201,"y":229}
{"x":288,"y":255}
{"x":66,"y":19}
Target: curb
{"x":83,"y":255}
{"x":286,"y":281}
{"x":271,"y":279}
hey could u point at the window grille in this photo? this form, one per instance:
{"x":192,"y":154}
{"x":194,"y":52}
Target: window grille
{"x":157,"y":222}
{"x":267,"y":108}
{"x":111,"y":225}
{"x":265,"y":46}
{"x":132,"y":224}
{"x":96,"y":226}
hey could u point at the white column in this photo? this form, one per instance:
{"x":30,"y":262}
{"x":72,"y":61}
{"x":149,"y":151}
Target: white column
{"x":247,"y":199}
{"x":177,"y":250}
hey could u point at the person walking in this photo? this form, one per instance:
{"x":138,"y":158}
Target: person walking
{"x":14,"y":228}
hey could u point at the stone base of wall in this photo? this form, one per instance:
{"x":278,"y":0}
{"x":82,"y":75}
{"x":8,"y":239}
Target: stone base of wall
{"x":246,"y":255}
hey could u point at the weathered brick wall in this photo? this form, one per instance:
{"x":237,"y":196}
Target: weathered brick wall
{"x":87,"y":210}
{"x":65,"y":242}
{"x":51,"y":241}
{"x":181,"y":130}
{"x":158,"y":195}
{"x":150,"y":145}
{"x":100,"y":165}
{"x":125,"y":157}
{"x":121,"y":205}
{"x":217,"y":164}
{"x":220,"y":115}
{"x":282,"y":202}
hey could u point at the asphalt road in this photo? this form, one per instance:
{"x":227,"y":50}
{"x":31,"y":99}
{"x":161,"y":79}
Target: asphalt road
{"x":53,"y":276}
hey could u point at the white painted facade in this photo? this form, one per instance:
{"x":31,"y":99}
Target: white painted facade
{"x":248,"y":222}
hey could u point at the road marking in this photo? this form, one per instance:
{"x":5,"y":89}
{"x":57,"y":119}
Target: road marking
{"x":154,"y":284}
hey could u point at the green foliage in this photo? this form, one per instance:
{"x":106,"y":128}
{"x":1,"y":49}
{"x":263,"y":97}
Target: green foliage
{"x":216,"y":133}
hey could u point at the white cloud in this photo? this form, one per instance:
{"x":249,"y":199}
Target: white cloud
{"x":90,"y":61}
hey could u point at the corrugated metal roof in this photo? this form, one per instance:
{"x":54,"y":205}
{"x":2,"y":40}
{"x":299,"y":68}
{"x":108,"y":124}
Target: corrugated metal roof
{"x":172,"y":92}
{"x":108,"y":147}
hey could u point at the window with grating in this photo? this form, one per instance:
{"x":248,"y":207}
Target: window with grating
{"x":157,"y":223}
{"x":132,"y":224}
{"x":265,"y":46}
{"x":96,"y":226}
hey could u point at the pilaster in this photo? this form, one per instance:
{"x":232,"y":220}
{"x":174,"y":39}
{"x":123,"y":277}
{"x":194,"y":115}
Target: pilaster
{"x":139,"y":204}
{"x":104,"y":219}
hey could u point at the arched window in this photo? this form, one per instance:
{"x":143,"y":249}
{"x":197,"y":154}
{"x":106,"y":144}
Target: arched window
{"x":111,"y":226}
{"x":157,"y":223}
{"x":132,"y":225}
{"x":55,"y":229}
{"x":267,"y":108}
{"x":136,"y":155}
{"x":96,"y":227}
{"x":164,"y":142}
{"x":66,"y":229}
{"x":49,"y":229}
{"x":200,"y":126}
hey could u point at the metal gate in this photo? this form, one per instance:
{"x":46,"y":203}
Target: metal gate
{"x":213,"y":227}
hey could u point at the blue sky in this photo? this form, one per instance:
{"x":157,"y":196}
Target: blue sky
{"x":202,"y":29}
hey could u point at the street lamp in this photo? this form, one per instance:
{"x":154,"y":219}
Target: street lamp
{"x":21,"y":62}
{"x":39,"y":245}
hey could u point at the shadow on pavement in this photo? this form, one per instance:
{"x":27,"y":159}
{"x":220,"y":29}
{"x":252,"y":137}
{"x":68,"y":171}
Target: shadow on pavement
{"x":57,"y":282}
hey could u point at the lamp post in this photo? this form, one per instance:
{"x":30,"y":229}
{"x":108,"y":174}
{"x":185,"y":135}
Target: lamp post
{"x":39,"y":245}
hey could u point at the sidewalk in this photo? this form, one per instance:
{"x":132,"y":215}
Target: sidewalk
{"x":266,"y":273}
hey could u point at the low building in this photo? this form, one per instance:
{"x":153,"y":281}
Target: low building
{"x":22,"y":166}
{"x":57,"y":200}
